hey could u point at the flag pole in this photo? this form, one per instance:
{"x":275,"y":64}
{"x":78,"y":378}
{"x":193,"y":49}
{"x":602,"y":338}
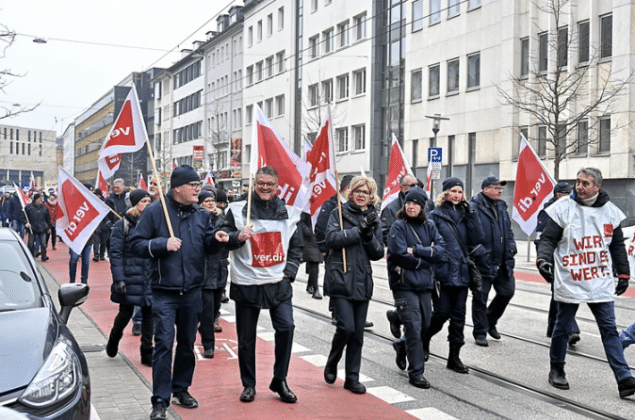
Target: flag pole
{"x":115,"y":213}
{"x":339,"y":213}
{"x":251,"y":186}
{"x":161,"y":197}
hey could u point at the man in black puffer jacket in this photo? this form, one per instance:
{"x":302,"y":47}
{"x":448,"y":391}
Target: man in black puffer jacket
{"x":498,"y":269}
{"x":176,"y":275}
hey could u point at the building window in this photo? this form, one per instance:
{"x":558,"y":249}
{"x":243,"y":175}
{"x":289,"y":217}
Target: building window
{"x":415,"y":85}
{"x":435,"y":11}
{"x":606,"y":36}
{"x":314,"y":97}
{"x":258,"y":71}
{"x":250,"y":76}
{"x":342,"y":139}
{"x":604,"y":144}
{"x":524,"y":133}
{"x":360,"y":27}
{"x":250,"y":36}
{"x":259,"y":31}
{"x":280,"y":59}
{"x":543,"y":52}
{"x":524,"y":57}
{"x":342,"y":87}
{"x":269,"y":108}
{"x":473,"y":4}
{"x":417,"y":15}
{"x":327,"y":91}
{"x":360,"y":81}
{"x":269,"y":66}
{"x":583,"y":42}
{"x":249,"y":113}
{"x":582,"y":145}
{"x":281,"y":18}
{"x":269,"y":24}
{"x":473,"y":70}
{"x":453,"y":75}
{"x":314,"y":5}
{"x":563,"y":46}
{"x":542,"y":141}
{"x":434,"y":79}
{"x":454,"y":7}
{"x":342,"y":30}
{"x":358,"y":137}
{"x":327,"y":38}
{"x":280,"y":105}
{"x":314,"y":45}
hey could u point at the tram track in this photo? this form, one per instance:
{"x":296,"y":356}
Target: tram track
{"x":506,"y":382}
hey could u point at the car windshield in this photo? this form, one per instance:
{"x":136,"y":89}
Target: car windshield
{"x":16,"y":279}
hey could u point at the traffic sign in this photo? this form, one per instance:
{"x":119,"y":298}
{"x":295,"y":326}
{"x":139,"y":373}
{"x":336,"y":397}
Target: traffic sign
{"x":435,"y":154}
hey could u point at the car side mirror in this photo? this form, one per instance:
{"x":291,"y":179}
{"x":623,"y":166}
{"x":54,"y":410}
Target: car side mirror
{"x":71,"y":295}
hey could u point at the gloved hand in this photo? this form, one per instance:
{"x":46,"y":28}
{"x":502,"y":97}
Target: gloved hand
{"x":622,"y":285}
{"x":372,"y":219}
{"x":545,"y":269}
{"x":120,"y":287}
{"x":365,"y":230}
{"x":466,"y":206}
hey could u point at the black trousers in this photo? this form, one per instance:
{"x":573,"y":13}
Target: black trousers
{"x":211,"y":306}
{"x":147,"y":323}
{"x":246,"y":326}
{"x":350,"y":316}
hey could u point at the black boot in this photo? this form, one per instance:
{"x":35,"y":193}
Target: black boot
{"x":454,"y":361}
{"x":113,"y":344}
{"x":146,"y":356}
{"x":557,"y":377}
{"x":425,"y":340}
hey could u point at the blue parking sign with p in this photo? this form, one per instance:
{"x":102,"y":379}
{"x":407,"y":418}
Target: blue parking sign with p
{"x":435,"y":154}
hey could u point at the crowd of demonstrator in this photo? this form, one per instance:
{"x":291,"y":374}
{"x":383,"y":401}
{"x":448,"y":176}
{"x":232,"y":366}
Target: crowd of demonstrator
{"x":437,"y":252}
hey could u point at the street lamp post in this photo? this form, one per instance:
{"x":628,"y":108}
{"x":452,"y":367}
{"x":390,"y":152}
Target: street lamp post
{"x":436,"y":124}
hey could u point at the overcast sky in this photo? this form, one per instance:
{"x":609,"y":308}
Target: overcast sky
{"x":74,"y":69}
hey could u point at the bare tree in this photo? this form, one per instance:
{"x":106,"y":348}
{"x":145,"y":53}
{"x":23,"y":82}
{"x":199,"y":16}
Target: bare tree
{"x":559,"y":95}
{"x":219,"y":137}
{"x":6,"y":76}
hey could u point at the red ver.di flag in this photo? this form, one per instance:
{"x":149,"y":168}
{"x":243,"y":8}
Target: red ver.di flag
{"x":268,"y":149}
{"x":534,"y":187}
{"x":397,"y":168}
{"x":266,"y":249}
{"x":322,"y":160}
{"x":79,"y":211}
{"x":24,"y":199}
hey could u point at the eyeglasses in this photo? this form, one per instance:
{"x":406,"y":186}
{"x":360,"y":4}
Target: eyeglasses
{"x":195,"y":185}
{"x":266,"y":184}
{"x":362,"y":192}
{"x":412,"y":185}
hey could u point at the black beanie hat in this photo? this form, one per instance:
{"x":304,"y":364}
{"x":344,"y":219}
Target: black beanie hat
{"x":98,"y":192}
{"x":451,"y":182}
{"x":416,"y":195}
{"x":221,"y":196}
{"x":137,"y":195}
{"x":183,"y":174}
{"x":204,"y":195}
{"x":36,"y":196}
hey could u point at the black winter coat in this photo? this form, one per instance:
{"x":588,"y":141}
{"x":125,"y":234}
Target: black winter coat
{"x":182,"y":270}
{"x":127,"y":267}
{"x":498,"y":238}
{"x":389,"y":213}
{"x":413,"y":272}
{"x":39,"y":217}
{"x":356,"y":283}
{"x":455,"y":272}
{"x":311,"y":252}
{"x":15,"y":209}
{"x":323,"y":221}
{"x":216,"y":263}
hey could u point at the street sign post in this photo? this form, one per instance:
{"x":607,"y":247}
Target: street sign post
{"x":435,"y":158}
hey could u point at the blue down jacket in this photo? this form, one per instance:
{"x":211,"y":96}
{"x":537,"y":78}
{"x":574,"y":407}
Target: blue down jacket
{"x":413,"y":272}
{"x":125,"y":266}
{"x":468,"y":227}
